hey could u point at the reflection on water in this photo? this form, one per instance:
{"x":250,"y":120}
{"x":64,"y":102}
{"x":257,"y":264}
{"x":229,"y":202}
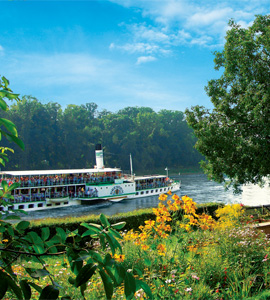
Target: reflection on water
{"x":198,"y":187}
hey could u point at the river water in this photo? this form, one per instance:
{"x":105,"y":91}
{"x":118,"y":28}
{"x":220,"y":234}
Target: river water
{"x":196,"y":186}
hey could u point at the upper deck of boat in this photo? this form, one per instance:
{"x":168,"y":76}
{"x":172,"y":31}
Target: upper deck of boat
{"x":56,"y":172}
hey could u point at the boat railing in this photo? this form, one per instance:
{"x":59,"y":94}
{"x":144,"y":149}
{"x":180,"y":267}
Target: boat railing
{"x":66,"y":181}
{"x":27,"y":198}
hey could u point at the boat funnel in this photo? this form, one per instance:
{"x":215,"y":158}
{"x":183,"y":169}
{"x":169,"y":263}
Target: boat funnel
{"x":99,"y":157}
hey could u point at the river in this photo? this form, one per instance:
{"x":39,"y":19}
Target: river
{"x":196,"y":186}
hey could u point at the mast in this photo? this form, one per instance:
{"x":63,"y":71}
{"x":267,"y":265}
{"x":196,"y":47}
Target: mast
{"x":131,"y":167}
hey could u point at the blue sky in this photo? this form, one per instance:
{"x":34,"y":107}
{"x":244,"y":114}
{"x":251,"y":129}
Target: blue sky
{"x":118,"y":53}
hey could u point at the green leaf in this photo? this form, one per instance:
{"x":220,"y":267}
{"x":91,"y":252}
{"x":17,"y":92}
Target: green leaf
{"x":89,"y":232}
{"x":130,"y":286}
{"x":49,"y":292}
{"x":85,"y":274}
{"x":98,"y":228}
{"x":56,"y":239}
{"x":102,"y":241}
{"x":3,"y":286}
{"x":36,"y":287}
{"x":104,"y":221}
{"x":142,"y":285}
{"x":120,"y":273}
{"x":5,"y":81}
{"x":39,"y":249}
{"x":13,"y":186}
{"x":3,"y":104}
{"x":83,"y":288}
{"x":108,"y":285}
{"x":12,"y":285}
{"x":112,"y":241}
{"x":12,"y":96}
{"x":22,"y":225}
{"x":119,"y":225}
{"x":71,"y":280}
{"x":45,"y":233}
{"x":25,"y":289}
{"x":37,"y":273}
{"x":16,"y":140}
{"x":62,"y":234}
{"x":115,"y":233}
{"x":10,"y":126}
{"x":34,"y":238}
{"x":75,"y":264}
{"x":4,"y":185}
{"x":96,"y":256}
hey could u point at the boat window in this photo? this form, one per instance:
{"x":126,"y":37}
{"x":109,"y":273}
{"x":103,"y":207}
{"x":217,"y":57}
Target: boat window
{"x":1,"y":208}
{"x":156,"y":190}
{"x":21,"y":207}
{"x":161,"y":190}
{"x":11,"y":207}
{"x":147,"y":192}
{"x":142,"y":193}
{"x":40,"y":204}
{"x":49,"y":204}
{"x":66,"y":203}
{"x":137,"y":193}
{"x":152,"y":191}
{"x":31,"y":206}
{"x":57,"y":203}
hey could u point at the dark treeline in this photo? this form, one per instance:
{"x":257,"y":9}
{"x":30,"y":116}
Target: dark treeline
{"x":57,"y":138}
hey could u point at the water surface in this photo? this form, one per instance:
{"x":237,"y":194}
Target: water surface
{"x":196,"y":186}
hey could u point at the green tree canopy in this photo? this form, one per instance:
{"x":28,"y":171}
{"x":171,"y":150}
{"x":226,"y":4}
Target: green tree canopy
{"x":235,"y":136}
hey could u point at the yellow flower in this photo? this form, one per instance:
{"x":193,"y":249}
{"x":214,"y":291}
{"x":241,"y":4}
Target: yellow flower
{"x":119,"y":258}
{"x":175,"y":197}
{"x":161,"y":249}
{"x":144,"y":247}
{"x":163,"y":197}
{"x":169,"y":192}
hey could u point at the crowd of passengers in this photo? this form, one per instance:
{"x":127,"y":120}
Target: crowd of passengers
{"x":90,"y":193}
{"x":149,"y":184}
{"x":61,"y":180}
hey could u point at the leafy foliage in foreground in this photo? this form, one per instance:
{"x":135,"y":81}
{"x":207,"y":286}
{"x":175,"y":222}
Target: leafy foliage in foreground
{"x":197,"y":258}
{"x":7,"y":128}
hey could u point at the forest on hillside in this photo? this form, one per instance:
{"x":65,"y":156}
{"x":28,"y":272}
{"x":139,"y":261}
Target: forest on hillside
{"x":57,"y":138}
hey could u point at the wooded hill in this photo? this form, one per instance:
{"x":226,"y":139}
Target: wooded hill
{"x":57,"y":138}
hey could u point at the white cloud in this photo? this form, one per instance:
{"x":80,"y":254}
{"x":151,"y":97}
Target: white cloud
{"x":206,"y":18}
{"x":202,"y":41}
{"x":145,"y":59}
{"x":1,"y":48}
{"x":137,"y":48}
{"x":149,"y":33}
{"x":197,"y":19}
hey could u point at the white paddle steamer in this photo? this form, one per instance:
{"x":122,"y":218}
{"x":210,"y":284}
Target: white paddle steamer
{"x":45,"y":189}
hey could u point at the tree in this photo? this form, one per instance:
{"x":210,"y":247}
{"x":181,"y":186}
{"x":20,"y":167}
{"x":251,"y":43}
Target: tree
{"x":235,"y":136}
